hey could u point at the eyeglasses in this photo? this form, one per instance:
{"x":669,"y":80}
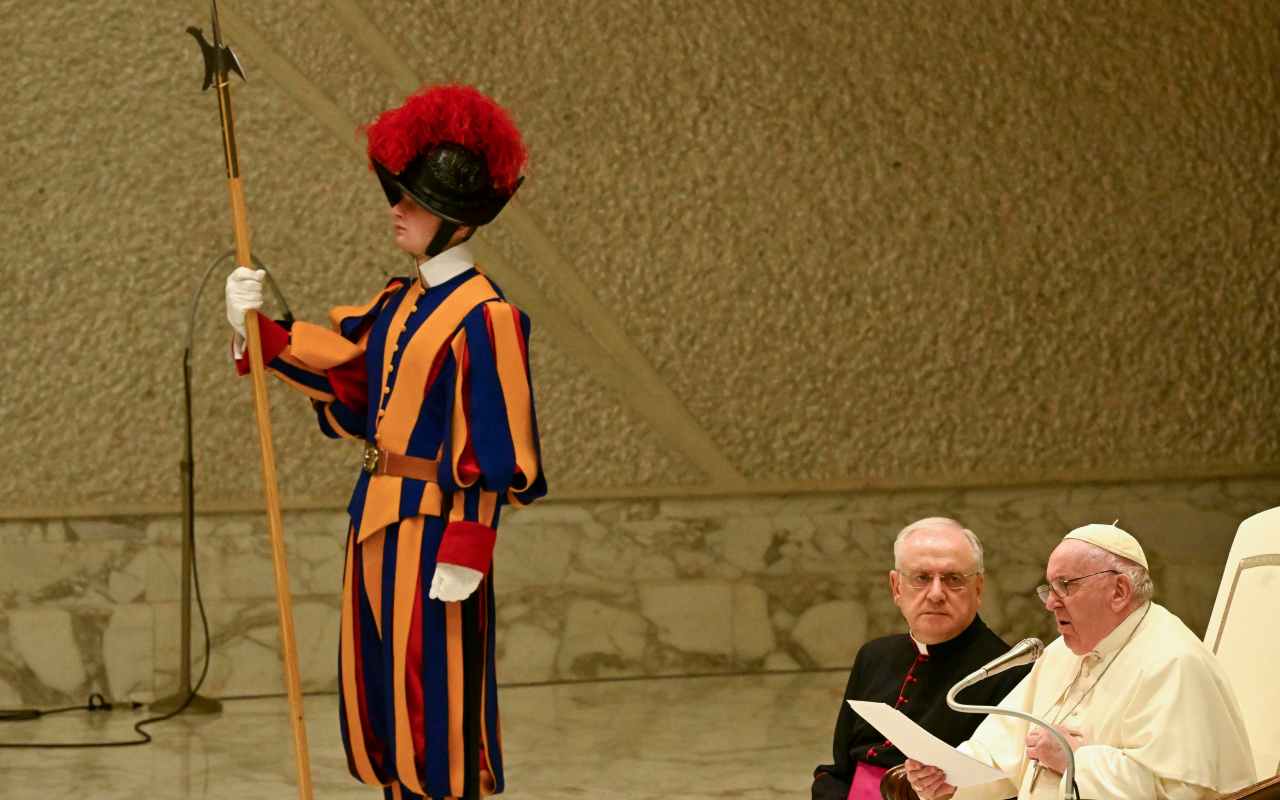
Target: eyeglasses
{"x":923,"y":580}
{"x":1063,"y":587}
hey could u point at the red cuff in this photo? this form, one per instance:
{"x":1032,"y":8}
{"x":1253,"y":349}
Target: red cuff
{"x":467,"y":544}
{"x":350,"y":382}
{"x":274,"y":338}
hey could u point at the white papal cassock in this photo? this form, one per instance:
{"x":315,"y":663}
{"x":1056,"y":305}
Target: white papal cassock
{"x":1158,"y":717}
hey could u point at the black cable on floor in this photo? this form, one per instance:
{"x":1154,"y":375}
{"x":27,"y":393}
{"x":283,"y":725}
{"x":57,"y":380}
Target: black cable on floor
{"x":28,"y":714}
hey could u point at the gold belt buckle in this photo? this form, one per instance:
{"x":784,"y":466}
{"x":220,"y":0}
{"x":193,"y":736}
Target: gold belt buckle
{"x":369,"y":462}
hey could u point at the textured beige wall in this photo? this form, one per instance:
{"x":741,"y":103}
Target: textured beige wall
{"x":909,"y":243}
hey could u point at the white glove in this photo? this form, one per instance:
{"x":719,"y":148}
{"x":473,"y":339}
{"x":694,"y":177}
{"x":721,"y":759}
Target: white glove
{"x":244,"y":292}
{"x":453,"y":582}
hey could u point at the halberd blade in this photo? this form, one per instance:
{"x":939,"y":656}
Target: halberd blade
{"x":212,"y":62}
{"x":210,"y":56}
{"x":233,"y":63}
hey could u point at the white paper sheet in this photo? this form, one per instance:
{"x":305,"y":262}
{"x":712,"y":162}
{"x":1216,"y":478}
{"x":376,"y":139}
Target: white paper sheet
{"x":919,"y":744}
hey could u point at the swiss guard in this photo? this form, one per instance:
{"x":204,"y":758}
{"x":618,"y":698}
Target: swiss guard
{"x":432,"y":374}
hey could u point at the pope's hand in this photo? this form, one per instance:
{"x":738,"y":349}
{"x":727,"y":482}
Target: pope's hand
{"x":930,"y":783}
{"x":453,"y":582}
{"x":244,"y":292}
{"x":1043,"y":747}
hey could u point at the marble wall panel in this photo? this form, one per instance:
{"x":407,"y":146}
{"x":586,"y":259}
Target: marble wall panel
{"x":235,"y":555}
{"x":92,"y":605}
{"x":800,"y":582}
{"x":246,"y":649}
{"x":586,"y":590}
{"x":72,"y":562}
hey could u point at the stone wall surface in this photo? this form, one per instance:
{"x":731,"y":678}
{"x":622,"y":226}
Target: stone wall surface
{"x":983,"y":239}
{"x":585,"y":590}
{"x":785,"y":270}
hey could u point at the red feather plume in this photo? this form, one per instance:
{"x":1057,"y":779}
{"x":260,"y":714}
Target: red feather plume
{"x":449,"y":113}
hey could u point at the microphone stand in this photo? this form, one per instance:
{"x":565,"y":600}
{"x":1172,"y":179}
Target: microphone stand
{"x":186,"y":698}
{"x":1067,"y":789}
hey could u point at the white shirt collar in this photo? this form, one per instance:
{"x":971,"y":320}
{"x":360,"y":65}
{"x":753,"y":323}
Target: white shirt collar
{"x":921,"y":647}
{"x":449,"y":264}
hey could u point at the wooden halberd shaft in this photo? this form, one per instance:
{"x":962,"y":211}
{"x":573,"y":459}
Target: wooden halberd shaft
{"x":219,"y":61}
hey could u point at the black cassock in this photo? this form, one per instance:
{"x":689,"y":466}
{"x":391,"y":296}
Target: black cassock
{"x":892,"y":670}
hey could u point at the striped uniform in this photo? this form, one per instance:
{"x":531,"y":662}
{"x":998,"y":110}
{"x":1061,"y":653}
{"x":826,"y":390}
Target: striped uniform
{"x":437,"y":372}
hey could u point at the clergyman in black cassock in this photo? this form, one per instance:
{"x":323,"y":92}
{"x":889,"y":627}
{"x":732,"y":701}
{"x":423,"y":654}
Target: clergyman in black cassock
{"x":914,"y":678}
{"x":936,"y":583}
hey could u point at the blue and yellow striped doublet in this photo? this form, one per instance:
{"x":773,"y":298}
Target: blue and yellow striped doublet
{"x":437,"y":373}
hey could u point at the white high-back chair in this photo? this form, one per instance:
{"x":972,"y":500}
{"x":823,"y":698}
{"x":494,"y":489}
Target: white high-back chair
{"x":1244,"y":632}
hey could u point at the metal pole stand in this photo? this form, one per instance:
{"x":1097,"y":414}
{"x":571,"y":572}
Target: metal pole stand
{"x":197,"y":704}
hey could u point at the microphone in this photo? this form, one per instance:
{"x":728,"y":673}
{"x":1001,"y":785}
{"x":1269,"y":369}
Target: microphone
{"x":1024,"y":652}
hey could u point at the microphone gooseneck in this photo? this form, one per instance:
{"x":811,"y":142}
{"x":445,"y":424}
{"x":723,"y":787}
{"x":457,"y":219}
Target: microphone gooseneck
{"x":1024,"y":652}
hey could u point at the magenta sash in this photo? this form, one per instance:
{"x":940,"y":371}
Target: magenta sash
{"x":866,"y":782}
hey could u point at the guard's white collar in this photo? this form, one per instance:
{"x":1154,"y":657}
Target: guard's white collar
{"x":447,"y":265}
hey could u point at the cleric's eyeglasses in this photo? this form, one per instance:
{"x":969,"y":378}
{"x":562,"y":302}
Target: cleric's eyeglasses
{"x":1063,"y":587}
{"x":923,"y":580}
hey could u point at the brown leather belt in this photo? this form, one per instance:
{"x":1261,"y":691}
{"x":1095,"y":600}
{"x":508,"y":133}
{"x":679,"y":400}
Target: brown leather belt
{"x":383,"y":462}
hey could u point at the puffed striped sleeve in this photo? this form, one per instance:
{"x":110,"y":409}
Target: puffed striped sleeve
{"x":491,"y":455}
{"x":325,"y":364}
